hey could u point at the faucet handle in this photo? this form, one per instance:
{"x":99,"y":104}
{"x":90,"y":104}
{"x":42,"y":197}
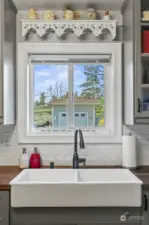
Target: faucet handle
{"x":82,"y":160}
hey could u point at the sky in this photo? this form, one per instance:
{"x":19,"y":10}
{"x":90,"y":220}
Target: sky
{"x":46,"y":75}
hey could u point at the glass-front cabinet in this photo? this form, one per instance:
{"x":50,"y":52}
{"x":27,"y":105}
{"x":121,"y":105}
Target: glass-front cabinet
{"x":143,"y":88}
{"x":136,"y":62}
{"x":142,"y":64}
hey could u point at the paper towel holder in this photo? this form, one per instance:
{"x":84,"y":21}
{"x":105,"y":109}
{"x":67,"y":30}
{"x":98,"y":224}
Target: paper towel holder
{"x":129,"y":151}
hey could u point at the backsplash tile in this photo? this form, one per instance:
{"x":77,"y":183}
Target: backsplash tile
{"x":104,"y":154}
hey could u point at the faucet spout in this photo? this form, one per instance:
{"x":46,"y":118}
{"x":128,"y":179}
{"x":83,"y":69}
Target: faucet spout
{"x":82,"y":145}
{"x":76,"y":159}
{"x":76,"y":141}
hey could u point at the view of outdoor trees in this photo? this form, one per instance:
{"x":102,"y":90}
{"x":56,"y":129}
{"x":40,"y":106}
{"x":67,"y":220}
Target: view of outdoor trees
{"x":51,"y":83}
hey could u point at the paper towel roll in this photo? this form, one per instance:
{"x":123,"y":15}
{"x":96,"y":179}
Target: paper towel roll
{"x":129,"y":152}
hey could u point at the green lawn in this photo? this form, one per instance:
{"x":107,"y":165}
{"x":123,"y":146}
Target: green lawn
{"x":42,"y":114}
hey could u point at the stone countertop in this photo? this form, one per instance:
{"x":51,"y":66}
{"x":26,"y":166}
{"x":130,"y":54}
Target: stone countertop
{"x":145,"y":179}
{"x":7,"y":173}
{"x":143,"y":174}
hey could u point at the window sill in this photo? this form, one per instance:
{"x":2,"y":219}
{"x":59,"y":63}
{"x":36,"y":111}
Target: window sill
{"x":69,"y":139}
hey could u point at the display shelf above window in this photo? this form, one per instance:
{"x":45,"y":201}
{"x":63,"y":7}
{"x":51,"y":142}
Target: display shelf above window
{"x":42,"y":27}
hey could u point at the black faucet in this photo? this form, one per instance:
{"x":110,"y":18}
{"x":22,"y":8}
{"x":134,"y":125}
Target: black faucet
{"x":76,"y":160}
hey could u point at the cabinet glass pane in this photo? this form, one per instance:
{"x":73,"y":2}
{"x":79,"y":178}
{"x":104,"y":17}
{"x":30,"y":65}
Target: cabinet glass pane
{"x":145,"y":71}
{"x":145,"y":84}
{"x":145,"y":99}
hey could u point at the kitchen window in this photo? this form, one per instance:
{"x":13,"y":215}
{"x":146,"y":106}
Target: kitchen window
{"x":62,"y":88}
{"x":73,"y":87}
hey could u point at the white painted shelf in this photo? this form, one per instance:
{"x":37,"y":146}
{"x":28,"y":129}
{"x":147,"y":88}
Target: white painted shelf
{"x":41,"y":27}
{"x":145,"y":24}
{"x":145,"y":85}
{"x":144,"y":55}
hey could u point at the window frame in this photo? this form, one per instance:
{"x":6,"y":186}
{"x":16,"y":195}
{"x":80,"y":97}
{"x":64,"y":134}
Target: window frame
{"x":110,"y":134}
{"x":71,"y":102}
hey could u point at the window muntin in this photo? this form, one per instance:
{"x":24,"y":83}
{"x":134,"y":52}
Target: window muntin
{"x":70,"y":89}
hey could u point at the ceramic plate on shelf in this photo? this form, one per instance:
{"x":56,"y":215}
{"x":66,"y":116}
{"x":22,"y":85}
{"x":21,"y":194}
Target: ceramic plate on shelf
{"x":143,"y":19}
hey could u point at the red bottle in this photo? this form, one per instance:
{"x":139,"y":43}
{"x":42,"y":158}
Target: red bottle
{"x":145,"y":41}
{"x":35,"y":161}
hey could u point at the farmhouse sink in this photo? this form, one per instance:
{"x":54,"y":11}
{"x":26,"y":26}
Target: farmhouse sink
{"x":76,"y":188}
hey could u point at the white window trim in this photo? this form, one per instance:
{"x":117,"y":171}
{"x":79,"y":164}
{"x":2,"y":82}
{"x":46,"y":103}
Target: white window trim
{"x":113,"y":133}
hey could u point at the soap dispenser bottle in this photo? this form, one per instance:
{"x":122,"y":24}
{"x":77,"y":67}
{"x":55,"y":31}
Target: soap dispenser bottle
{"x":35,"y":160}
{"x":24,"y":159}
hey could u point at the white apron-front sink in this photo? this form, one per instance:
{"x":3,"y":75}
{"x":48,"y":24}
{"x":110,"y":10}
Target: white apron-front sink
{"x":76,"y":188}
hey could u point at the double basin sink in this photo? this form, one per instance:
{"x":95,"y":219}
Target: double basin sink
{"x":76,"y":188}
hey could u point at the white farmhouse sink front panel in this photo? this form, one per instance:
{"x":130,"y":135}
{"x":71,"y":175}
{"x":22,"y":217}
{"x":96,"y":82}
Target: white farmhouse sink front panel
{"x":76,"y":188}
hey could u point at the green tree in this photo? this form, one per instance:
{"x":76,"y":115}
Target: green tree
{"x":93,"y":87}
{"x":37,"y":103}
{"x":42,"y":98}
{"x":100,"y":108}
{"x":57,"y":91}
{"x":76,"y":95}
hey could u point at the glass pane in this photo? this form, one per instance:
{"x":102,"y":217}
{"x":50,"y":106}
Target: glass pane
{"x":88,"y":95}
{"x":50,"y":96}
{"x":145,"y":96}
{"x":145,"y":71}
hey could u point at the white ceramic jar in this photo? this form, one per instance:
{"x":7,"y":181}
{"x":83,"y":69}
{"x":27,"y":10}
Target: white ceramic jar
{"x":69,"y":14}
{"x":91,"y":14}
{"x":107,"y":15}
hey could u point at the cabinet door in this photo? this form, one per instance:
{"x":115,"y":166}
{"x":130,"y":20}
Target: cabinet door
{"x":129,"y":63}
{"x":7,"y":63}
{"x":143,"y":88}
{"x":142,"y":69}
{"x":146,"y":208}
{"x":4,"y":207}
{"x":1,"y":66}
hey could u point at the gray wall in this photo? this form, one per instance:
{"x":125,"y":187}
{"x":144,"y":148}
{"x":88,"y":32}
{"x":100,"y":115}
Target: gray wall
{"x":103,"y":154}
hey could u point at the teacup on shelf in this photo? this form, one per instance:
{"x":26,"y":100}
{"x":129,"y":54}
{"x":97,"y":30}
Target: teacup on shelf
{"x":49,"y":15}
{"x":32,"y":14}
